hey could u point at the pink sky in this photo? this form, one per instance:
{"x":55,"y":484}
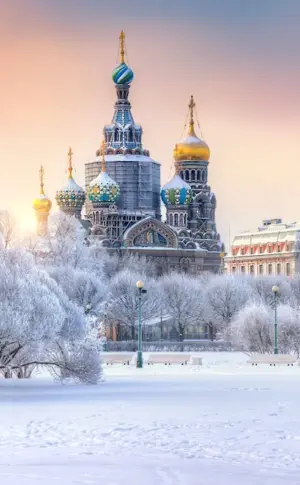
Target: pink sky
{"x":56,"y":91}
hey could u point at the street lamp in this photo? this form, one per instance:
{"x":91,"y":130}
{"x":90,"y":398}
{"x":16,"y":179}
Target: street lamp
{"x":140,"y":287}
{"x":275,"y":290}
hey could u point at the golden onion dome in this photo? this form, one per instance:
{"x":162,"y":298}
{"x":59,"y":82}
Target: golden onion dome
{"x":192,"y":147}
{"x":42,"y":203}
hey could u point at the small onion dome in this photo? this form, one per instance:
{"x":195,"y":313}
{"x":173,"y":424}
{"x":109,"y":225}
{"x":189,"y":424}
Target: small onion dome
{"x":122,"y":74}
{"x":176,"y":192}
{"x":42,"y":204}
{"x":103,"y":189}
{"x":192,"y":148}
{"x":71,"y":195}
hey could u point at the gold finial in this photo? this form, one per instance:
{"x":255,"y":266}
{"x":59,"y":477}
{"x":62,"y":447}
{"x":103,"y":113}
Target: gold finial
{"x":122,"y":46}
{"x":191,"y":108}
{"x":42,"y":180}
{"x":70,"y":167}
{"x":102,"y":151}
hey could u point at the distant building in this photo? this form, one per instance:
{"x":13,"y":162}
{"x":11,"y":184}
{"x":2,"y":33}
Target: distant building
{"x":272,"y":249}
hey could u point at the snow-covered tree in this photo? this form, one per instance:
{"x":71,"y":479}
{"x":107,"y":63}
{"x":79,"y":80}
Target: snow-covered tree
{"x":35,"y":314}
{"x":178,"y":295}
{"x":8,"y":228}
{"x":251,"y":329}
{"x":122,"y":306}
{"x":225,"y":296}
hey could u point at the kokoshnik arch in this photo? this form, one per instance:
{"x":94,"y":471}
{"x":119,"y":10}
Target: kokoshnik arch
{"x":122,"y":197}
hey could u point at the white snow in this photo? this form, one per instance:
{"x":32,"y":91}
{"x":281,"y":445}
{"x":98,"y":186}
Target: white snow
{"x":225,"y":423}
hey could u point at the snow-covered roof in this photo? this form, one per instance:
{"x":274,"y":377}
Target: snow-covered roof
{"x":124,"y":158}
{"x":103,"y":179}
{"x":272,"y":233}
{"x":71,"y":185}
{"x":176,"y":182}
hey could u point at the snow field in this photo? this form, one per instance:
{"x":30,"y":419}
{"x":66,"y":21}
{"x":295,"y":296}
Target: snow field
{"x":225,"y":423}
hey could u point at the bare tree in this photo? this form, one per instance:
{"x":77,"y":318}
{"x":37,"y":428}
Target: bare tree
{"x":8,"y":228}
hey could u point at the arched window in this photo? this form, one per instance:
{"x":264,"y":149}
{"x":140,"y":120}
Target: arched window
{"x":175,"y":219}
{"x":187,"y":175}
{"x":182,"y":175}
{"x":198,"y":175}
{"x":130,"y":135}
{"x":278,"y":268}
{"x":288,"y":269}
{"x":117,"y":134}
{"x":97,"y":217}
{"x":181,"y":220}
{"x":185,"y":219}
{"x":171,"y":220}
{"x":193,"y":175}
{"x":270,"y":268}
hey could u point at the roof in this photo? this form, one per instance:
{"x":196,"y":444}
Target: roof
{"x":272,"y":233}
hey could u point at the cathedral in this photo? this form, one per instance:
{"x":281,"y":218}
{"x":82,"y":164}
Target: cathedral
{"x":122,"y":197}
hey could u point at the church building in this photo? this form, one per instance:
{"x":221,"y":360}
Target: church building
{"x":123,"y":194}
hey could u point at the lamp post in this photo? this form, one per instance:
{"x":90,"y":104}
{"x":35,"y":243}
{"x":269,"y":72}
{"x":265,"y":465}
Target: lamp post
{"x":140,"y":287}
{"x":275,"y":290}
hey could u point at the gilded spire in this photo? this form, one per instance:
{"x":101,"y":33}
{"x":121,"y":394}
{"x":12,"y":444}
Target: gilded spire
{"x":102,"y":151}
{"x":191,"y":108}
{"x":122,"y":47}
{"x":177,"y":165}
{"x":70,"y":167}
{"x":42,"y":180}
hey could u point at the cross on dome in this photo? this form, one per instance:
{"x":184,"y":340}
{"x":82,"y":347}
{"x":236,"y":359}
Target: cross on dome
{"x":191,"y":108}
{"x":41,"y":172}
{"x":122,"y":46}
{"x":70,"y":167}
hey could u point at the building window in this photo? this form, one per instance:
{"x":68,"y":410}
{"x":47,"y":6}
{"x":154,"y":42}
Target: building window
{"x":242,"y":251}
{"x":234,"y":269}
{"x":288,"y":269}
{"x":252,"y":269}
{"x":187,"y":175}
{"x":193,"y":175}
{"x":269,"y":268}
{"x":171,"y":220}
{"x":278,"y":248}
{"x":261,"y":269}
{"x":269,"y":249}
{"x":261,"y":249}
{"x":278,"y":268}
{"x":242,"y":269}
{"x":175,"y":219}
{"x":181,"y":220}
{"x":252,"y":250}
{"x":198,"y":175}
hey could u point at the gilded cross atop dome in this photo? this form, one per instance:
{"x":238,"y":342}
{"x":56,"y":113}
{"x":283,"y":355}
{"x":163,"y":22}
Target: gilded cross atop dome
{"x":191,"y":108}
{"x":192,"y":148}
{"x":42,"y":172}
{"x":102,"y":151}
{"x":122,"y":47}
{"x":70,"y":167}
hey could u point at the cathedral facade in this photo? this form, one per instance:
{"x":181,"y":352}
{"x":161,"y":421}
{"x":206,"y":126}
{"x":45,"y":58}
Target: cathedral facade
{"x":123,"y":193}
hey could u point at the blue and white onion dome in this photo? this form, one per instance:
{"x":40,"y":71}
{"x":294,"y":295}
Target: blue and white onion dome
{"x":71,"y":195}
{"x":103,"y":189}
{"x":176,"y":192}
{"x":122,"y":74}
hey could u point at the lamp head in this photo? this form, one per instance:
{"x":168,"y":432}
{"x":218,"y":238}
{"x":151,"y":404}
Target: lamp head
{"x":140,"y":285}
{"x":275,"y":289}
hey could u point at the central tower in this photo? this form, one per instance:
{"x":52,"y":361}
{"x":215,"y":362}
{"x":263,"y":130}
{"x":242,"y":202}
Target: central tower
{"x":127,"y":162}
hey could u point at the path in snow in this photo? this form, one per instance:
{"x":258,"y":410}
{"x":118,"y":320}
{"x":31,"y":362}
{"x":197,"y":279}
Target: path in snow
{"x":192,"y":428}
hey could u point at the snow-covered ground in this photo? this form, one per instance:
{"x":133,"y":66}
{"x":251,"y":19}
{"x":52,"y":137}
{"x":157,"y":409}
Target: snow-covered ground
{"x":225,"y":423}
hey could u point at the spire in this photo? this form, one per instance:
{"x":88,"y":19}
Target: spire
{"x":122,"y":47}
{"x":41,"y":171}
{"x":102,"y":151}
{"x":191,"y":109}
{"x":70,"y":167}
{"x":177,"y":165}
